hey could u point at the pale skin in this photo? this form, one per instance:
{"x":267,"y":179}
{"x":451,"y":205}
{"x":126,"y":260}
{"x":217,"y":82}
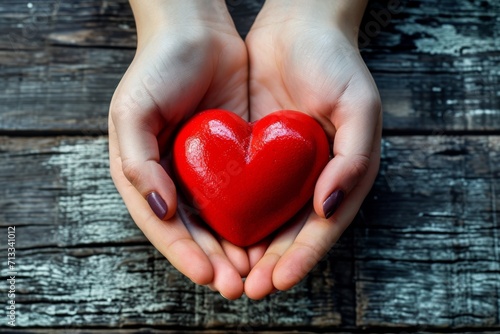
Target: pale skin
{"x":299,"y":55}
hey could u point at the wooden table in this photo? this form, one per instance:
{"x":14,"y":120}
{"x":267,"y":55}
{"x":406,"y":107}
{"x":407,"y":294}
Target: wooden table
{"x":422,"y":255}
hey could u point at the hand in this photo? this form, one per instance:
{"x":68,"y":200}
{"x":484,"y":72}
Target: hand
{"x":304,"y":56}
{"x":189,"y":57}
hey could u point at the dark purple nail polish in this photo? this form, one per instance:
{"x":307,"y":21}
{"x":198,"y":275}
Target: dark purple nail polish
{"x":157,"y":204}
{"x":332,"y":202}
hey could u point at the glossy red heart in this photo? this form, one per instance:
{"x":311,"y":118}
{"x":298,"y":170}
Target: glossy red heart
{"x":248,"y":179}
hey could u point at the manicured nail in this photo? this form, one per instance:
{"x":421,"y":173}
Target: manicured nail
{"x":331,"y":204}
{"x":157,"y":204}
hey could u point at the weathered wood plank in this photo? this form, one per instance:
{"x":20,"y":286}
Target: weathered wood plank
{"x":429,"y":251}
{"x":424,"y":251}
{"x":59,"y":89}
{"x":82,"y":262}
{"x":435,"y":63}
{"x":135,"y":286}
{"x":60,"y":62}
{"x":47,"y":187}
{"x":91,"y":23}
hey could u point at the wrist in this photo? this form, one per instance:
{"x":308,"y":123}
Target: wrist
{"x":347,"y":16}
{"x":153,"y":16}
{"x":342,"y":15}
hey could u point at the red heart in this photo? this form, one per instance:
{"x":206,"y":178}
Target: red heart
{"x":248,"y":179}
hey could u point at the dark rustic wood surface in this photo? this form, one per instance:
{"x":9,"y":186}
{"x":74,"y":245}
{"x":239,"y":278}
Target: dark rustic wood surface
{"x":436,"y":63}
{"x":423,"y":255}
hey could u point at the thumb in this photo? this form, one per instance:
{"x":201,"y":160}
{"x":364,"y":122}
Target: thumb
{"x":355,"y":142}
{"x":135,"y":135}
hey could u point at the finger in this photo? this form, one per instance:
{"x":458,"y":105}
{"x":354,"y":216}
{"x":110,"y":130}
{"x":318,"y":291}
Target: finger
{"x":318,"y":234}
{"x":259,"y":282}
{"x":226,"y":278}
{"x":237,"y":255}
{"x":310,"y":245}
{"x":136,"y":132}
{"x":256,"y":251}
{"x":171,"y":238}
{"x":357,"y":136}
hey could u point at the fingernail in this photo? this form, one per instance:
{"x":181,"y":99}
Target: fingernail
{"x":157,"y":204}
{"x":331,"y":204}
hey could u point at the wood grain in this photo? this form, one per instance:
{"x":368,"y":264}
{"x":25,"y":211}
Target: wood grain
{"x":424,"y":250}
{"x":435,"y":63}
{"x":428,"y":252}
{"x":436,"y":71}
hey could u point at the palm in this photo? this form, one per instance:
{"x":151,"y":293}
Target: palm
{"x":312,"y":71}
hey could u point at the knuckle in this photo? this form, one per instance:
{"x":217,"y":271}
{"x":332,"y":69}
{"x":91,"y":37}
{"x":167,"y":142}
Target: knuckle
{"x":372,"y":101}
{"x":316,"y":250}
{"x":119,"y":112}
{"x":359,"y":165}
{"x":131,"y":171}
{"x":131,"y":104}
{"x":122,"y":108}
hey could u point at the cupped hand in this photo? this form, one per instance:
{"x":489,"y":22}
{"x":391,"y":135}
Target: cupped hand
{"x":305,"y":57}
{"x":189,"y":58}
